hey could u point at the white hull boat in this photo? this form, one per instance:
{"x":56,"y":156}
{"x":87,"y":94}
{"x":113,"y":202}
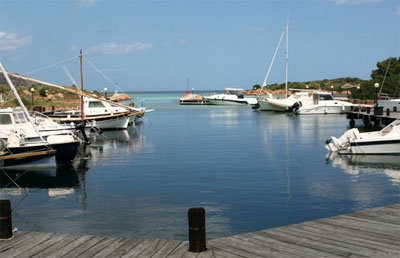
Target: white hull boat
{"x":283,"y":104}
{"x":231,"y":97}
{"x":321,"y":103}
{"x":385,"y":141}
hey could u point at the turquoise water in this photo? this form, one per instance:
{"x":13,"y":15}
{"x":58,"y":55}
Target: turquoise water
{"x":249,"y":170}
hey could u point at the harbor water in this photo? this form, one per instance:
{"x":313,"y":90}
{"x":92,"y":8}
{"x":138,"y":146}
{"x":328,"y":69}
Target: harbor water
{"x":249,"y":170}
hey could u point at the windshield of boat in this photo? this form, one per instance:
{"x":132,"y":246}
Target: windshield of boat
{"x":96,"y":104}
{"x":20,"y":118}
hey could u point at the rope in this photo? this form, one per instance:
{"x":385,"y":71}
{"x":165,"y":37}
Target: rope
{"x":45,"y":67}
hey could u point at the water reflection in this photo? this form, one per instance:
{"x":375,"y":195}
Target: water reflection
{"x":59,"y":182}
{"x":114,"y":146}
{"x":357,"y":164}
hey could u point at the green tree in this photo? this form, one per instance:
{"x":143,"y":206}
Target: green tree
{"x":387,"y":75}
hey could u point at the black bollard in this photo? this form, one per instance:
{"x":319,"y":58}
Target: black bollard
{"x":5,"y":219}
{"x":197,"y":229}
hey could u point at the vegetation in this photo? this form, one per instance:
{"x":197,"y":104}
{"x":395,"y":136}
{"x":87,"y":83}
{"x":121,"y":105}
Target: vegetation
{"x":387,"y":75}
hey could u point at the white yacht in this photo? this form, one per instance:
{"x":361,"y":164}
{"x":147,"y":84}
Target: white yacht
{"x":231,"y":96}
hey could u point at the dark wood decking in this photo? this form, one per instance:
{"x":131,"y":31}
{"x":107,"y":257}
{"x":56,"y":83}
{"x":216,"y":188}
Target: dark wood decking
{"x":370,"y":233}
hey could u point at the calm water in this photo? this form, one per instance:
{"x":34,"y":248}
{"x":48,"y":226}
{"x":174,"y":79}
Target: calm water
{"x":249,"y":170}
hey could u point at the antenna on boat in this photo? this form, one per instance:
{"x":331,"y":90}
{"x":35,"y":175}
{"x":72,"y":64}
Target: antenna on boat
{"x":187,"y":86}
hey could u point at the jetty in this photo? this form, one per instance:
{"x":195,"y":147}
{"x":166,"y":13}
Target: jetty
{"x":373,"y":114}
{"x":370,"y":233}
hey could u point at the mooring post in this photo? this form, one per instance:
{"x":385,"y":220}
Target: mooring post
{"x":5,"y":219}
{"x":197,"y":229}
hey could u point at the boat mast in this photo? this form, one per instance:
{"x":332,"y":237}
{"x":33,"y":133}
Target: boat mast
{"x":16,"y":95}
{"x":287,"y":58}
{"x":81,"y":75}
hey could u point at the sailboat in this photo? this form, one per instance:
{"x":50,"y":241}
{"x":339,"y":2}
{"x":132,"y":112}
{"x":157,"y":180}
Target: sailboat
{"x":24,"y":143}
{"x":101,"y":113}
{"x":281,"y":104}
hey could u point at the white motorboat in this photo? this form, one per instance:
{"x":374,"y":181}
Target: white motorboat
{"x":385,"y":141}
{"x":322,"y":103}
{"x":283,"y":104}
{"x":231,"y":96}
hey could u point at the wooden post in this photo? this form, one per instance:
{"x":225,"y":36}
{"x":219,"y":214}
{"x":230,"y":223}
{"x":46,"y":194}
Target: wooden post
{"x":197,"y":229}
{"x":5,"y":219}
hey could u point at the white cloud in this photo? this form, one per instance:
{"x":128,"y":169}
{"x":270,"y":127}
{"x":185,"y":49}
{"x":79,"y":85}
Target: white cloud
{"x":355,"y":2}
{"x":113,"y":48}
{"x":182,"y":42}
{"x":87,"y":3}
{"x":12,"y":41}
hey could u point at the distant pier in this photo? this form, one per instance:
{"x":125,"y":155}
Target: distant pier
{"x":373,"y":114}
{"x":369,"y":233}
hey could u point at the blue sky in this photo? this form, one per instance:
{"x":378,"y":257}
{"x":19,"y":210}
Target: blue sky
{"x":150,"y":45}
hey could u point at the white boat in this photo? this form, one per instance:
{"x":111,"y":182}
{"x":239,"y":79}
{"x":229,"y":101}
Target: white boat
{"x":283,"y":104}
{"x":20,"y":136}
{"x":101,"y":114}
{"x":232,"y":97}
{"x":385,"y":141}
{"x":321,"y":103}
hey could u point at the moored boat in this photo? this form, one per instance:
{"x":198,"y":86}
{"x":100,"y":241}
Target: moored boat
{"x":19,"y":134}
{"x":385,"y":141}
{"x":231,"y":97}
{"x":321,"y":103}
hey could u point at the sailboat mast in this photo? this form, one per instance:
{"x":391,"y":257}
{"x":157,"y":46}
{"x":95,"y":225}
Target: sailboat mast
{"x":81,"y":75}
{"x":14,"y":90}
{"x":16,"y":95}
{"x":287,"y":58}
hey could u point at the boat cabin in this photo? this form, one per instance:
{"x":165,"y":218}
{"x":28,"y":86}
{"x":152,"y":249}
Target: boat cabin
{"x":321,"y":96}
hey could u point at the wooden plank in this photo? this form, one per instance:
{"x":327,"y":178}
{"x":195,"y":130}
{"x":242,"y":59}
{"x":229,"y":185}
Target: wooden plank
{"x":128,"y":245}
{"x":322,"y":228}
{"x":96,"y":247}
{"x":40,"y":248}
{"x":114,"y":248}
{"x":84,"y":246}
{"x":383,"y":230}
{"x":340,"y":242}
{"x":238,"y":247}
{"x":285,"y":249}
{"x":139,"y":248}
{"x":166,"y":249}
{"x":57,"y":245}
{"x":18,"y":239}
{"x":73,"y":244}
{"x":22,"y":250}
{"x":305,"y":245}
{"x":28,"y":154}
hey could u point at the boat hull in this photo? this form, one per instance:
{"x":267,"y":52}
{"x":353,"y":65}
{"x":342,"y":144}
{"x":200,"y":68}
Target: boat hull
{"x":376,"y":147}
{"x":324,"y":109}
{"x":102,"y":122}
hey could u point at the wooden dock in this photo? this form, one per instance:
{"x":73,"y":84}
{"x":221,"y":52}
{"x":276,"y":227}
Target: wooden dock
{"x":370,"y":233}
